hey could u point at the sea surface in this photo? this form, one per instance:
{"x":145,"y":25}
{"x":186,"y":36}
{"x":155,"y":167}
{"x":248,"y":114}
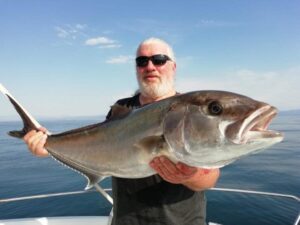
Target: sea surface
{"x":276,"y":169}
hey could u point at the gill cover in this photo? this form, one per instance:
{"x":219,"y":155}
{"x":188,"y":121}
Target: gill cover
{"x":189,"y":131}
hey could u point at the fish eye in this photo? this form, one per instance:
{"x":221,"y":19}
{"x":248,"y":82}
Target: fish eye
{"x":215,"y":108}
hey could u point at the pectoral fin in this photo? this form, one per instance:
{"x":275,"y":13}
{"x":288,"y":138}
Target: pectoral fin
{"x":152,"y":143}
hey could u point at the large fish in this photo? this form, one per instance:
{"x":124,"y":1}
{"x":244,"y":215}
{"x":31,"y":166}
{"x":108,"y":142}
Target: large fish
{"x":207,"y":129}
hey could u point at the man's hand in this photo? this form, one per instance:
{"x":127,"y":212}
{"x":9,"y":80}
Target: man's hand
{"x":35,"y":140}
{"x":179,"y":173}
{"x":174,"y":173}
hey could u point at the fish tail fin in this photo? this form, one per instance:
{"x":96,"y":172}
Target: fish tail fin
{"x":28,"y":121}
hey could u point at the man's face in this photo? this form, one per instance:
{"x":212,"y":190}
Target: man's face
{"x":155,"y":80}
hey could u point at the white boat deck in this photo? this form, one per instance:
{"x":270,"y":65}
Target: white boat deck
{"x":72,"y":220}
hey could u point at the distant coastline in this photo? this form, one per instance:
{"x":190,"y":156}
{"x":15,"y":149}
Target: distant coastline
{"x":100,"y":118}
{"x":16,"y":118}
{"x":290,"y":112}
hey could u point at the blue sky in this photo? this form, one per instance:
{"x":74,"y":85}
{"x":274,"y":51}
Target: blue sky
{"x":76,"y":57}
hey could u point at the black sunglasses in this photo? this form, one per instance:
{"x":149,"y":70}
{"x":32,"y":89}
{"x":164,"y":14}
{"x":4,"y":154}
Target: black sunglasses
{"x":157,"y":60}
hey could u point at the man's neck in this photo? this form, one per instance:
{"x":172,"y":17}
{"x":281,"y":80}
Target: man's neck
{"x":147,"y":99}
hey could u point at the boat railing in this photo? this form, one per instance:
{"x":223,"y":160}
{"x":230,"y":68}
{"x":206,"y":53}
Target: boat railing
{"x":256,"y":192}
{"x":109,"y":198}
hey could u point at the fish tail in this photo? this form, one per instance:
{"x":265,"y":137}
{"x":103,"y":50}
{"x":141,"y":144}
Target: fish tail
{"x":29,"y":122}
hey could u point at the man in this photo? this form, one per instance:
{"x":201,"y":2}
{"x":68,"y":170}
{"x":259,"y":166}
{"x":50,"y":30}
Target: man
{"x":173,"y":196}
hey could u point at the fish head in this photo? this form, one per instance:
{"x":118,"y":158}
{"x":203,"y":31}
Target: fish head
{"x":211,"y":129}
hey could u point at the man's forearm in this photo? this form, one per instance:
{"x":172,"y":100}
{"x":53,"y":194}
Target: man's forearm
{"x":203,"y":179}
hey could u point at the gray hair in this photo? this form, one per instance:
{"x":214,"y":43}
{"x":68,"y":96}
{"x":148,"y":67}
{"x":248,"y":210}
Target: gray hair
{"x":153,"y":40}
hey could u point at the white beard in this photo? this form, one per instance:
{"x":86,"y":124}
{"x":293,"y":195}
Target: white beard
{"x":156,"y":90}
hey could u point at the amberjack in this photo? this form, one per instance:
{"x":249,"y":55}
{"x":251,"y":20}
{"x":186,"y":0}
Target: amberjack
{"x":207,"y":129}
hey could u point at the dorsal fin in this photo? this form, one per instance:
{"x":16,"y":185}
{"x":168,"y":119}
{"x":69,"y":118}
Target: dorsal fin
{"x":119,"y":111}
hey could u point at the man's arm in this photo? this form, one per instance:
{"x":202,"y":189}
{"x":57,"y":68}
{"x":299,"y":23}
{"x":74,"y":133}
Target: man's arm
{"x":194,"y":178}
{"x":203,"y":179}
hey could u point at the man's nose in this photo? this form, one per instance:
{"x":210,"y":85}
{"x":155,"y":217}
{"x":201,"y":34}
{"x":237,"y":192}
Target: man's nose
{"x":150,"y":65}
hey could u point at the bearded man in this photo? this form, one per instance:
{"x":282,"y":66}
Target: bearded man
{"x":175,"y":195}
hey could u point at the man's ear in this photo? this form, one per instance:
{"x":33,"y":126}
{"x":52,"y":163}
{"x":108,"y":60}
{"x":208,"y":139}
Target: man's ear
{"x":174,"y":66}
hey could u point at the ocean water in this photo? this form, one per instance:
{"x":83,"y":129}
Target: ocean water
{"x":273,"y":170}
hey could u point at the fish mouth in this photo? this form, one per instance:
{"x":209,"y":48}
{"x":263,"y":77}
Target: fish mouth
{"x":255,"y":127}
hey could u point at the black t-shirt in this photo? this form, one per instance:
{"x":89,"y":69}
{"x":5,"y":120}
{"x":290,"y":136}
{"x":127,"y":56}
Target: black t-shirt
{"x":154,"y":201}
